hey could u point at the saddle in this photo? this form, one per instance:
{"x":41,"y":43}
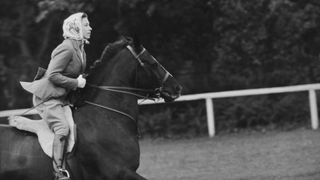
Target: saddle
{"x":44,"y":133}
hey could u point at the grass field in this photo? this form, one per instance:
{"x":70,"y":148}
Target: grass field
{"x":285,"y":155}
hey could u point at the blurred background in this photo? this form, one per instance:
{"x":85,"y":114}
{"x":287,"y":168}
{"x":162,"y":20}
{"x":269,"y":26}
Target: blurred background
{"x":209,"y":46}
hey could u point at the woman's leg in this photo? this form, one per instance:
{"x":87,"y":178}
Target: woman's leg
{"x":54,"y":115}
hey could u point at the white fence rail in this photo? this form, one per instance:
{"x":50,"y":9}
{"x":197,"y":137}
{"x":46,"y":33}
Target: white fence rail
{"x":208,"y":97}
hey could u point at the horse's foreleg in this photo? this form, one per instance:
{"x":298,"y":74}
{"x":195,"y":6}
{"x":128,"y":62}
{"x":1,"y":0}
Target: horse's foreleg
{"x":130,"y":175}
{"x":112,"y":174}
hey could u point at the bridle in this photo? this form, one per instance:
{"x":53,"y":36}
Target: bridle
{"x":137,"y":57}
{"x":131,"y":90}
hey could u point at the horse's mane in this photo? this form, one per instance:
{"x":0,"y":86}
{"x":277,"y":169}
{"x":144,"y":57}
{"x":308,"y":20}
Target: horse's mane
{"x":109,"y":51}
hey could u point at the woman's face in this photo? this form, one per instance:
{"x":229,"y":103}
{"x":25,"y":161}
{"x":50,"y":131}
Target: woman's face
{"x":86,"y":29}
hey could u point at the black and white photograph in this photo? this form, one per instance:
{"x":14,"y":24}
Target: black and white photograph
{"x":159,"y":89}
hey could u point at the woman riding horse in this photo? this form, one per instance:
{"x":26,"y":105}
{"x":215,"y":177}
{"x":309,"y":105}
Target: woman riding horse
{"x":107,"y":145}
{"x":51,"y":88}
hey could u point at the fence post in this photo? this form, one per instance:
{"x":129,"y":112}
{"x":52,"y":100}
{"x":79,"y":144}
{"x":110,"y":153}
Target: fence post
{"x":210,"y":117}
{"x":313,"y":109}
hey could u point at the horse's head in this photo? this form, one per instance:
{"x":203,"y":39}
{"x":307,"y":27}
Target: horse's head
{"x":127,"y":63}
{"x":151,"y":74}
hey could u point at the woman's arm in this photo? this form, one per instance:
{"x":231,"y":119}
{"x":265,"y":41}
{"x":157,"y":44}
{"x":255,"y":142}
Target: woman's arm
{"x":61,"y":57}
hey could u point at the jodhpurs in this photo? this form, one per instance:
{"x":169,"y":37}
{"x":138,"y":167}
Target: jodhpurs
{"x":54,"y":112}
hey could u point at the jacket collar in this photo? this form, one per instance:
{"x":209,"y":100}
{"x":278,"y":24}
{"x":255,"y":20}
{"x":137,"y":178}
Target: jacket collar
{"x":78,"y":45}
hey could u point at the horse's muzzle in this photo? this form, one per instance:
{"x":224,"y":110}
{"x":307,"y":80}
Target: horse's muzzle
{"x":170,"y":96}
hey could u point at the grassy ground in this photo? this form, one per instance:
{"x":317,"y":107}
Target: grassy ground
{"x":286,"y":155}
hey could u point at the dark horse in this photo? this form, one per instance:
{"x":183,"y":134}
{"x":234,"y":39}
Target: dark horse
{"x":107,"y":137}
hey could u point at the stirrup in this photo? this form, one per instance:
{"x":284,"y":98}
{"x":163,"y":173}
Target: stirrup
{"x":64,"y":173}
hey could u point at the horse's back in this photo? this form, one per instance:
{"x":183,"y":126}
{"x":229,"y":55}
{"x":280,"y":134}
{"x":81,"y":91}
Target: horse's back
{"x":21,"y":156}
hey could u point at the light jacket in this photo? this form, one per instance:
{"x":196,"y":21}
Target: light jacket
{"x":66,"y":64}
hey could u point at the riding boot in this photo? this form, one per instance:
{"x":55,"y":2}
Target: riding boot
{"x":59,"y":143}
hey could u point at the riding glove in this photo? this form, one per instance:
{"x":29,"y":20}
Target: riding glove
{"x":81,"y":81}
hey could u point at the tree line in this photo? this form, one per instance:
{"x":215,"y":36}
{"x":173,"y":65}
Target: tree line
{"x":208,"y":45}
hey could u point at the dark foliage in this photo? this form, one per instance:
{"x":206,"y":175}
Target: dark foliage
{"x":208,"y":45}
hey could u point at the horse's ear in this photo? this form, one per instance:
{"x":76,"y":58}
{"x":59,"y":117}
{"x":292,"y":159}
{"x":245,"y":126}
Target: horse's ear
{"x":137,"y":43}
{"x":127,"y":39}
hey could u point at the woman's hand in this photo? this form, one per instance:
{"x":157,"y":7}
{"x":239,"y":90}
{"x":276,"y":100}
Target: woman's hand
{"x":81,"y":81}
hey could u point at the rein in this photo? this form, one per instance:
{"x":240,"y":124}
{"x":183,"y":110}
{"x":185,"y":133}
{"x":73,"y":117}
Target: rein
{"x":121,"y":89}
{"x":111,"y":109}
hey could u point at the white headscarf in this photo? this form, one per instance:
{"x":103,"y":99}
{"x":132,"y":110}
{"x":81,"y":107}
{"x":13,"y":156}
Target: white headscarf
{"x":72,"y":27}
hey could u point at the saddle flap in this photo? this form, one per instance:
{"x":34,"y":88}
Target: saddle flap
{"x":44,"y":133}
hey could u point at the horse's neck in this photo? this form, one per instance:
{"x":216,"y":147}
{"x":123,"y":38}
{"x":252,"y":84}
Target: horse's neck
{"x":115,"y":77}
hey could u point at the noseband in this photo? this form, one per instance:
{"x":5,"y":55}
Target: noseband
{"x":131,"y":90}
